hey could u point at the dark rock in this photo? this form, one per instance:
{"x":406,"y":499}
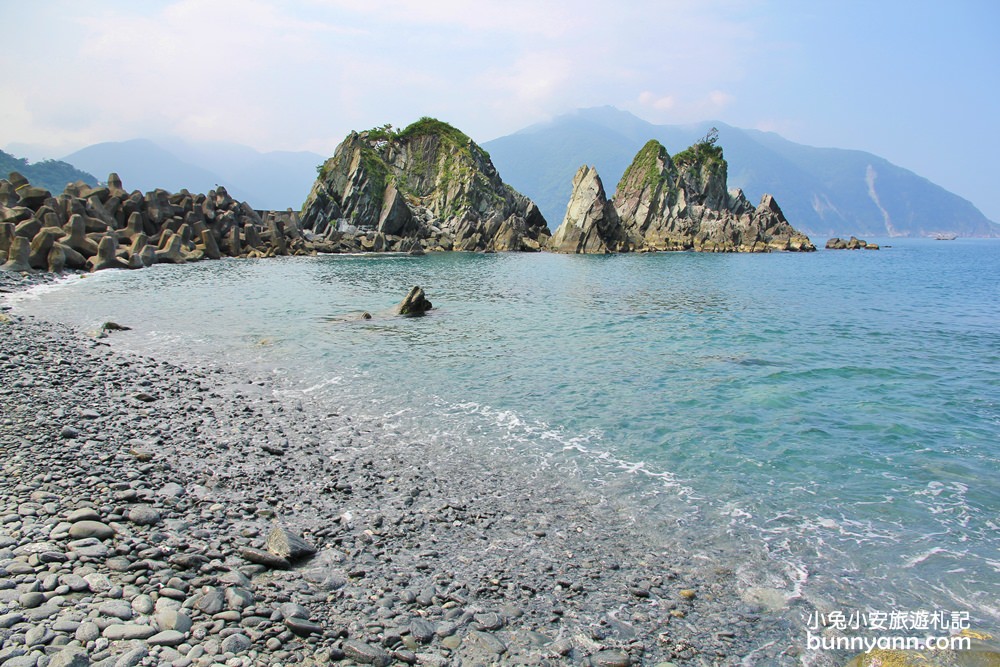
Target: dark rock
{"x":265,"y":558}
{"x":415,"y":303}
{"x":365,"y":653}
{"x":283,"y":543}
{"x":303,"y":627}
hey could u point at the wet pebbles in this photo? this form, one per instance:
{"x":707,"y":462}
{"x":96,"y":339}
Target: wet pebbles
{"x":157,"y":515}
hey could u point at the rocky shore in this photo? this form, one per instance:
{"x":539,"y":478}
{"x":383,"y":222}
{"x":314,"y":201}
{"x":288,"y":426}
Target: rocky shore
{"x":152,"y":514}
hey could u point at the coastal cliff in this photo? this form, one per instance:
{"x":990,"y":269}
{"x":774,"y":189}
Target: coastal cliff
{"x":678,"y":203}
{"x":426,"y":187}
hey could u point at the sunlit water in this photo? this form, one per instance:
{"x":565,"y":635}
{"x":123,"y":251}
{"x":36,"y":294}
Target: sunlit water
{"x":828,"y":424}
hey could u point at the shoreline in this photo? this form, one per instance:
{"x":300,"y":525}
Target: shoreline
{"x":421,"y":560}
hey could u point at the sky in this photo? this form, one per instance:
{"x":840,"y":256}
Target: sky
{"x":914,"y":81}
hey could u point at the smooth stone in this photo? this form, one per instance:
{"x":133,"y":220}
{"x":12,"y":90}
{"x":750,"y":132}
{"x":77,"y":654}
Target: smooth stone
{"x":38,"y":635}
{"x":87,"y":632}
{"x":144,"y":515}
{"x":73,"y":656}
{"x":303,"y":627}
{"x":117,"y":609}
{"x":22,"y":661}
{"x":75,"y":582}
{"x":212,"y":601}
{"x":422,"y":630}
{"x":293,"y":610}
{"x":610,"y":658}
{"x":19,"y":567}
{"x":486,"y":642}
{"x":142,"y":604}
{"x":132,"y":658}
{"x":10,"y":620}
{"x":96,"y":529}
{"x":83,"y":514}
{"x":31,"y":600}
{"x":265,"y":558}
{"x":366,"y":653}
{"x":236,"y":644}
{"x":167,"y":638}
{"x":120,"y":631}
{"x":98,"y":582}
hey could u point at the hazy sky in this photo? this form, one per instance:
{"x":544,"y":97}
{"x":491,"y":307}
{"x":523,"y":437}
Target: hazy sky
{"x":914,"y":81}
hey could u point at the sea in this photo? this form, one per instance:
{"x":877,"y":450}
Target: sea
{"x":826,"y":424}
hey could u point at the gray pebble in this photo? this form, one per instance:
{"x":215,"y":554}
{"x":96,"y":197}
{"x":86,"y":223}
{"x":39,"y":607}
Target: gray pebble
{"x":96,"y":529}
{"x":236,"y":644}
{"x":144,"y":515}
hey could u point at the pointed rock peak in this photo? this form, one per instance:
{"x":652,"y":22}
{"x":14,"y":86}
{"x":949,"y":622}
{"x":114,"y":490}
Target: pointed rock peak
{"x":650,"y":167}
{"x":591,"y":224}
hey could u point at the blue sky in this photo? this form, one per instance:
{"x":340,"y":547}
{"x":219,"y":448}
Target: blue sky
{"x":916,"y":82}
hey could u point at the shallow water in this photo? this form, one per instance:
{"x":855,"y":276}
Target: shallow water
{"x":826,"y":423}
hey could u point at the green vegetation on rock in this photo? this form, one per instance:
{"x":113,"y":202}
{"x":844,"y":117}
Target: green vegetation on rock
{"x":53,"y":175}
{"x":646,"y":170}
{"x":704,"y":151}
{"x":433,"y":126}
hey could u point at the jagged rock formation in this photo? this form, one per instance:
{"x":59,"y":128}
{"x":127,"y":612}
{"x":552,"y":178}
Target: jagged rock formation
{"x":591,"y":224}
{"x":427,"y":187}
{"x":672,"y":204}
{"x":96,"y":228}
{"x":853,"y":243}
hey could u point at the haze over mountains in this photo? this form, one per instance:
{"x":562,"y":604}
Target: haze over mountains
{"x":822,"y":191}
{"x":269,"y":181}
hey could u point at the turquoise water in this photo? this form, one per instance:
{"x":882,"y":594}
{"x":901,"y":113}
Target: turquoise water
{"x":827,"y":423}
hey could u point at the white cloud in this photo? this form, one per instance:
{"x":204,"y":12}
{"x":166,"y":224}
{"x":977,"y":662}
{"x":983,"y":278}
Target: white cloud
{"x":657,"y":102}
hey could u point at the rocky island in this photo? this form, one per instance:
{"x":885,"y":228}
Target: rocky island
{"x":678,"y":203}
{"x":426,"y":187}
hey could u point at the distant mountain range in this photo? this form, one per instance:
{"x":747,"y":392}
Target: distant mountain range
{"x":268,"y":181}
{"x":822,"y":191}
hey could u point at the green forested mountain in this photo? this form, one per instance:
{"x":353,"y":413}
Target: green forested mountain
{"x":53,"y":175}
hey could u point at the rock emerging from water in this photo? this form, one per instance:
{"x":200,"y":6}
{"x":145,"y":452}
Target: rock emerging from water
{"x":415,"y":303}
{"x":678,"y":203}
{"x":853,"y":243}
{"x":427,"y":187}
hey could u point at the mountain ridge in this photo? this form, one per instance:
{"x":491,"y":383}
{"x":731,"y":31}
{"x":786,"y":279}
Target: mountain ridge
{"x":823,"y":191}
{"x":276,"y":180}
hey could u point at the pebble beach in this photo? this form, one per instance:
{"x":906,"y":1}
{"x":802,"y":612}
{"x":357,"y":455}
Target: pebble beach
{"x":153,"y":514}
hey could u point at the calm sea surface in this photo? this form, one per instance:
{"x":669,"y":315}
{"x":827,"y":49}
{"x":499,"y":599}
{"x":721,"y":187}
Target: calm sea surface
{"x":828,"y":423}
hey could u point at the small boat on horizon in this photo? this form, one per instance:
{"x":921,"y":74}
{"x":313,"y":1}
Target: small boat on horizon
{"x":945,"y":237}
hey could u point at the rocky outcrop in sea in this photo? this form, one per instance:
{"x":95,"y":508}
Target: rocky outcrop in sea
{"x":106,"y":227}
{"x":678,"y":203}
{"x":853,"y":243}
{"x":426,"y":187}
